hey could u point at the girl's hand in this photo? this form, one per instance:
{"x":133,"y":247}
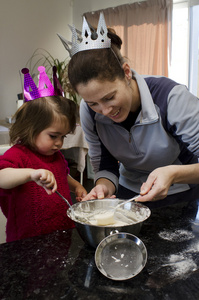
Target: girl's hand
{"x":157,"y":185}
{"x":46,"y":179}
{"x":80,"y":192}
{"x":100,"y":191}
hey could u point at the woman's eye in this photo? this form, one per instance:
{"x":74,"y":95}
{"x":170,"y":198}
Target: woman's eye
{"x":92,"y":104}
{"x":53,"y":136}
{"x":110,"y":98}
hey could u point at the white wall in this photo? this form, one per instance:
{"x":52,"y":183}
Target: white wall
{"x":24,"y":26}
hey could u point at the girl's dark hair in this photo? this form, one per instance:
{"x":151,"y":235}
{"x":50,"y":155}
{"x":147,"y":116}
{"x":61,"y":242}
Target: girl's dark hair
{"x":36,"y":115}
{"x":102,"y":64}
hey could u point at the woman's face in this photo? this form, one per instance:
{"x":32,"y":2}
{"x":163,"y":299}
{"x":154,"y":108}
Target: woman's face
{"x":112,"y":99}
{"x":50,"y":140}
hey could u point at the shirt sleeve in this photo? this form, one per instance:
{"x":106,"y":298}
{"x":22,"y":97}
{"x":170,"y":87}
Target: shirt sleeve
{"x":183,"y":117}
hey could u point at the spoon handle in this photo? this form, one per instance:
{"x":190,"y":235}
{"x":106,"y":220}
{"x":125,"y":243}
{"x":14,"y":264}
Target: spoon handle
{"x":64,"y":199}
{"x":132,"y":199}
{"x":126,"y":201}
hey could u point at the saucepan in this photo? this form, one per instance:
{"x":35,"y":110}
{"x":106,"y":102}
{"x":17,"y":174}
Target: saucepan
{"x":130,"y":218}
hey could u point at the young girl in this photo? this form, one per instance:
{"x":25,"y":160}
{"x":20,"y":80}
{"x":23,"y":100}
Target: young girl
{"x":34,"y":168}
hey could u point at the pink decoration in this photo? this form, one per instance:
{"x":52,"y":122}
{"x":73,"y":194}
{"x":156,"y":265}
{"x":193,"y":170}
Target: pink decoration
{"x":45,"y":87}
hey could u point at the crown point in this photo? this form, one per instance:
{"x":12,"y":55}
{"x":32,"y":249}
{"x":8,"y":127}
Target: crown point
{"x":54,"y":70}
{"x":41,"y":69}
{"x":25,"y":71}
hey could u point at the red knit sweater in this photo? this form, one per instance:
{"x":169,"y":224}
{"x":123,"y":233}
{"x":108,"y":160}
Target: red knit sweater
{"x":28,"y":208}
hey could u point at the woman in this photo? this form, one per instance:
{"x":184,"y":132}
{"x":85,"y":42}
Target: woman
{"x":142,"y":131}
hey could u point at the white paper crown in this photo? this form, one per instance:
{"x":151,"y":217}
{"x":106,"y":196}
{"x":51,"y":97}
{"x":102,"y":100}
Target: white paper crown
{"x":87,"y":39}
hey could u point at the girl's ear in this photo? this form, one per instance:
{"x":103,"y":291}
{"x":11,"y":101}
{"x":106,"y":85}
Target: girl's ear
{"x":127,"y":71}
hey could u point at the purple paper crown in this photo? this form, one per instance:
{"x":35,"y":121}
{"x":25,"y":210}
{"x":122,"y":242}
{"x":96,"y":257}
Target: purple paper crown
{"x":45,"y":87}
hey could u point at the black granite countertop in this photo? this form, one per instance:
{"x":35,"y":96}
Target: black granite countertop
{"x":61,"y":266}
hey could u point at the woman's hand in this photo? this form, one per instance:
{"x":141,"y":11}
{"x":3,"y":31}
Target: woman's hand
{"x":100,"y":191}
{"x":46,"y":179}
{"x":104,"y":189}
{"x":157,"y":185}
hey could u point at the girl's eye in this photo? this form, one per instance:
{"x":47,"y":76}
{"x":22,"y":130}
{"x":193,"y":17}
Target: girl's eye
{"x":53,"y":136}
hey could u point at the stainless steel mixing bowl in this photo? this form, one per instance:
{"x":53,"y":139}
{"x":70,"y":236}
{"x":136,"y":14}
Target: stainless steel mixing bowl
{"x":94,"y":234}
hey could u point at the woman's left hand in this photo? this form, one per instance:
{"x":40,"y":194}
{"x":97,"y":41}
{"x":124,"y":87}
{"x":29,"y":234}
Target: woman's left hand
{"x":157,"y":185}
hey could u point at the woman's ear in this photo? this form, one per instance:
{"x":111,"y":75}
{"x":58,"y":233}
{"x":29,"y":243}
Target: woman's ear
{"x":127,"y":71}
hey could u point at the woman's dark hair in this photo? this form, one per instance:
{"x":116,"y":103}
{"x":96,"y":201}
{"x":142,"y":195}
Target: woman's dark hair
{"x":102,"y":64}
{"x":36,"y":115}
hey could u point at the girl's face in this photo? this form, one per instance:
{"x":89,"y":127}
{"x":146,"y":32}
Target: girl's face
{"x":50,"y":140}
{"x":112,"y":99}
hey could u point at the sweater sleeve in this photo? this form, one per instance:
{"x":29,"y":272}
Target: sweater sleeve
{"x":11,"y":159}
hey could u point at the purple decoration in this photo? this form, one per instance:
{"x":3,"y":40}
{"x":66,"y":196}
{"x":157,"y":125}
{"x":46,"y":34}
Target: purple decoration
{"x":45,"y":87}
{"x":29,"y":83}
{"x":57,"y":86}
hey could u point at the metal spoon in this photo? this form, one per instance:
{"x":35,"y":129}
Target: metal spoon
{"x":64,"y":200}
{"x":73,"y":213}
{"x":72,"y":210}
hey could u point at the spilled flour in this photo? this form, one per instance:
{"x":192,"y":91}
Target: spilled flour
{"x":178,"y":235}
{"x":180,"y":264}
{"x":177,"y":265}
